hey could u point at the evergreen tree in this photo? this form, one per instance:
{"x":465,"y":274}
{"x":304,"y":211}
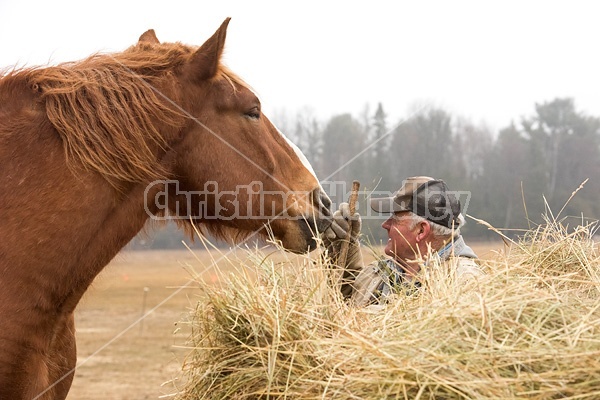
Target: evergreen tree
{"x":380,"y":133}
{"x":380,"y":140}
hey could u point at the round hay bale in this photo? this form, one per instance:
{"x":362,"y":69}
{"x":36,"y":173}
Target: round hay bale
{"x":529,"y":328}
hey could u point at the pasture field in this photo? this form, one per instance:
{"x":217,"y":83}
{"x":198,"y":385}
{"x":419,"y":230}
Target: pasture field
{"x":123,"y":357}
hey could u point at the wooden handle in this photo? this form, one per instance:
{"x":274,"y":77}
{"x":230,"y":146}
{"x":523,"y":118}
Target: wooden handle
{"x":346,"y":243}
{"x":354,"y":197}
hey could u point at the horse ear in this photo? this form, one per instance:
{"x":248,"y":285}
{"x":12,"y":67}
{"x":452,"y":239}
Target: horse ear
{"x":149,"y":37}
{"x":205,"y":61}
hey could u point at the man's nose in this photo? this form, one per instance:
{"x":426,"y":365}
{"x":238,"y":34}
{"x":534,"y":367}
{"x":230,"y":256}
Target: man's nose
{"x":385,"y":225}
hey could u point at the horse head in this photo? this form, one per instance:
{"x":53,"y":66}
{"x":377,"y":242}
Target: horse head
{"x":235,"y":174}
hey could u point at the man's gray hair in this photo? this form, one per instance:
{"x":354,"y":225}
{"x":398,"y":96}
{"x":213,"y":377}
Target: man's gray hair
{"x":439,"y":230}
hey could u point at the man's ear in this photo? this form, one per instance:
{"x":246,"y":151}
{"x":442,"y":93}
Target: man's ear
{"x":423,"y":230}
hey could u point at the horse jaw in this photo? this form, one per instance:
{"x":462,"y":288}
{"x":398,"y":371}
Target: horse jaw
{"x":299,"y":237}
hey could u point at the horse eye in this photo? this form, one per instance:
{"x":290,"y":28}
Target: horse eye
{"x":253,"y":113}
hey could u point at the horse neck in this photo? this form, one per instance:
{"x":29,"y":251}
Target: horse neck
{"x":59,"y":225}
{"x":121,"y":223}
{"x":62,"y":228}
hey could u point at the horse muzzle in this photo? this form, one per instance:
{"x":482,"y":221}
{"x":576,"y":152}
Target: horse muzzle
{"x":310,"y":227}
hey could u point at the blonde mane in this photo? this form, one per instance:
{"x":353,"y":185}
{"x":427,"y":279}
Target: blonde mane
{"x":109,"y":109}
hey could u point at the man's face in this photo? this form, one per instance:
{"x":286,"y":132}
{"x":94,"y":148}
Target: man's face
{"x":402,"y":241}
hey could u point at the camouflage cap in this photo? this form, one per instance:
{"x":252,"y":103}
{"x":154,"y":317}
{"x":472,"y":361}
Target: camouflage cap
{"x":425,"y":197}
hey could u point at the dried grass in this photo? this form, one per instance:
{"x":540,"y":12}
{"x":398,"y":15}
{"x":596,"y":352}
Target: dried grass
{"x":528,"y":329}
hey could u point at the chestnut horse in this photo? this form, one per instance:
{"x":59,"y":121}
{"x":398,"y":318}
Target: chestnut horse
{"x":87,"y":148}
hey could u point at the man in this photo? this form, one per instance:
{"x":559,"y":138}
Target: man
{"x":425,"y":220}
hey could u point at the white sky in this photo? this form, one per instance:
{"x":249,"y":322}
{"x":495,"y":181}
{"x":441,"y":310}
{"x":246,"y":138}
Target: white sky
{"x":485,"y":61}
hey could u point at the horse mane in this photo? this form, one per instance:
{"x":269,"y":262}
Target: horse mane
{"x":109,"y":109}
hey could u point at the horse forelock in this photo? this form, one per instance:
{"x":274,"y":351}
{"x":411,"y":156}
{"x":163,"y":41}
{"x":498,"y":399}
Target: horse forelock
{"x":110,"y":109}
{"x":233,"y":79}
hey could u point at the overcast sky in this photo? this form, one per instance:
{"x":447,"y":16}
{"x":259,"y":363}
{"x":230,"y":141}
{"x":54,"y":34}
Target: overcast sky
{"x":485,"y":61}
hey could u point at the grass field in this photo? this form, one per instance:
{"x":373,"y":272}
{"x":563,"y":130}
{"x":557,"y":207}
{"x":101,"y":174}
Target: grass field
{"x":120,"y":355}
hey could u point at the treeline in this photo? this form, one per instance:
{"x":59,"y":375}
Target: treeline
{"x":515,"y":176}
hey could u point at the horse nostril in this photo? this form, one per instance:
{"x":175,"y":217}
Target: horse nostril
{"x":322,"y":202}
{"x":325,"y":203}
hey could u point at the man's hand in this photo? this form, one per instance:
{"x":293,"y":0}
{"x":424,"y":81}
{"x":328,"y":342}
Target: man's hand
{"x":333,"y":238}
{"x":338,"y":230}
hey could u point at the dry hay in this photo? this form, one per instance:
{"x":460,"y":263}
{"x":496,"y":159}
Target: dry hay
{"x":529,"y":329}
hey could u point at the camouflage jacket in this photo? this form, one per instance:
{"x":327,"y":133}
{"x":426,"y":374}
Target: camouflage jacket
{"x":378,"y":280}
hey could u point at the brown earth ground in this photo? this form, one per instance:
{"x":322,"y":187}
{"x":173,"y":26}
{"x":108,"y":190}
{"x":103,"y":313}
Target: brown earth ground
{"x":120,"y":355}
